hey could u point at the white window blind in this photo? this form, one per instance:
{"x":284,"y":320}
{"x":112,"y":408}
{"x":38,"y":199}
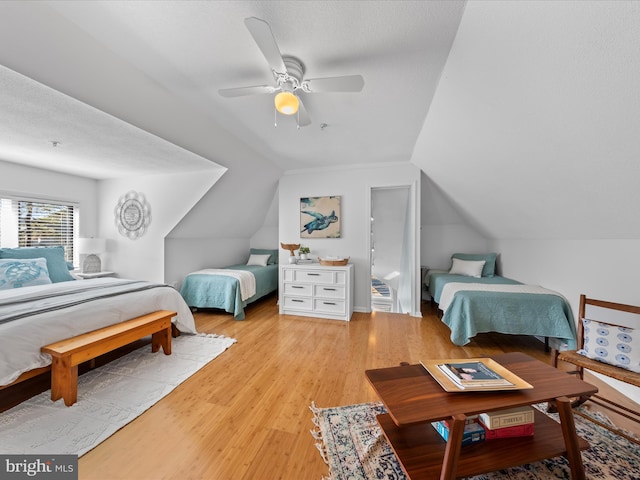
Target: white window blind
{"x":37,"y":223}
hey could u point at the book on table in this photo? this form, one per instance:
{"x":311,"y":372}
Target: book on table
{"x":473,"y":374}
{"x":508,"y":417}
{"x":474,"y":432}
{"x":524,"y":430}
{"x":478,"y":374}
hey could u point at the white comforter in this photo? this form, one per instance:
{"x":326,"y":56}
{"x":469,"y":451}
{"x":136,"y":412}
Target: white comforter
{"x":20,"y":340}
{"x":450,"y":289}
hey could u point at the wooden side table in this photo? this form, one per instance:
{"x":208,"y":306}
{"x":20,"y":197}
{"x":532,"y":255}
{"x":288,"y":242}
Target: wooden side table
{"x":414,"y":400}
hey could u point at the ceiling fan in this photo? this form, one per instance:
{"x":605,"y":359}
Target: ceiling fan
{"x":288,"y":73}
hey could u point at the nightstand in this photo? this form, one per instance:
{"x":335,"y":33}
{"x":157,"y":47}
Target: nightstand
{"x":96,"y":275}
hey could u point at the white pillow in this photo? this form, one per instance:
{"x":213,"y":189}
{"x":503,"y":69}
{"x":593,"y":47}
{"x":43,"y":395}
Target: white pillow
{"x":469,"y":268}
{"x":258,"y":259}
{"x":619,"y":346}
{"x":23,"y":272}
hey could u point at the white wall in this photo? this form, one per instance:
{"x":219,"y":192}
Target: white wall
{"x":49,"y":185}
{"x":601,"y":269}
{"x":353,"y":184}
{"x":267,"y":234}
{"x":170,"y":198}
{"x":238,"y":213}
{"x":444,"y":230}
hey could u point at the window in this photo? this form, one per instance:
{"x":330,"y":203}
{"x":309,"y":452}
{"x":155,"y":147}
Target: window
{"x":38,"y":223}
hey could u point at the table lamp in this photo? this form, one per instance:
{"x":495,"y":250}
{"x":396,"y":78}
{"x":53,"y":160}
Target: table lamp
{"x":91,"y":247}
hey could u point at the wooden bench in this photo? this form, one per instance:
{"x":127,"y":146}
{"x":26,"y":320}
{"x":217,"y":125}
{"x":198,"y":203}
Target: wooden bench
{"x":614,"y":315}
{"x":68,"y":354}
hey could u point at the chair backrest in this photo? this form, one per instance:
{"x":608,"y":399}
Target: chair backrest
{"x":611,"y":313}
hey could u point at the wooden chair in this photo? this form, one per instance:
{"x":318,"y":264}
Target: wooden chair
{"x":612,"y":314}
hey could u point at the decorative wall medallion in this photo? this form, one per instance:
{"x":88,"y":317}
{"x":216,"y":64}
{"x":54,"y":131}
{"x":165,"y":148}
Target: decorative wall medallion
{"x":133,"y":215}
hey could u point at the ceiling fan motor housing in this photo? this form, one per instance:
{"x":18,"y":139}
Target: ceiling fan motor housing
{"x":295,"y":68}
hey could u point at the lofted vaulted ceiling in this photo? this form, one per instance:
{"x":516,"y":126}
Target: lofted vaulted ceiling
{"x":523,"y":114}
{"x":534,"y":129}
{"x":191,"y":49}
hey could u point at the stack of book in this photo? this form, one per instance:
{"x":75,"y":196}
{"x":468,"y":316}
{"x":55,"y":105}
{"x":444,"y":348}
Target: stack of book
{"x":473,"y":374}
{"x":473,"y":431}
{"x":302,"y":261}
{"x":512,"y":422}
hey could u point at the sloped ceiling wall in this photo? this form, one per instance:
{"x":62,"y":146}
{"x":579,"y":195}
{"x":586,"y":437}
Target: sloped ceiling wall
{"x":533,"y":130}
{"x":62,"y":56}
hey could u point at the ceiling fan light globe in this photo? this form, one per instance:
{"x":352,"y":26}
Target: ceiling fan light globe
{"x":286,"y":103}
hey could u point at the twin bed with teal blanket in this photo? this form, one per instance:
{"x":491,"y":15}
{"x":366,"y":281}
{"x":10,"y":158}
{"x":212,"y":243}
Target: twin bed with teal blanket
{"x":472,"y":305}
{"x":216,"y":290}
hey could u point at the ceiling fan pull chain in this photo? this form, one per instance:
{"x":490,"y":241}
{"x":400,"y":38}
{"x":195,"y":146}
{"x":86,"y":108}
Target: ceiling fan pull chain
{"x":298,"y":120}
{"x":275,"y":117}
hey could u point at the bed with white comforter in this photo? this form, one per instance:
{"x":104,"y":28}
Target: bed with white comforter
{"x":31,"y":317}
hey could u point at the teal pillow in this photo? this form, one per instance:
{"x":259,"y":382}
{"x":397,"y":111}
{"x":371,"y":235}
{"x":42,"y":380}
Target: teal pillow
{"x":26,"y":272}
{"x":56,"y":264}
{"x":265,"y":251}
{"x":489,"y":269}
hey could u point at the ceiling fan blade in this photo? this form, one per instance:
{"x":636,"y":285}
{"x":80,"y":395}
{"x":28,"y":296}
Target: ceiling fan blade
{"x":261,"y":32}
{"x":303,"y":117}
{"x":348,"y":83}
{"x":241,"y":91}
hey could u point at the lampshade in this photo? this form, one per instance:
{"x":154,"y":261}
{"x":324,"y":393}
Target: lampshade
{"x":286,"y":103}
{"x":91,"y":245}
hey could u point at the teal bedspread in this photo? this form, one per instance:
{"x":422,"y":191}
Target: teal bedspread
{"x":473,"y":312}
{"x":223,"y":292}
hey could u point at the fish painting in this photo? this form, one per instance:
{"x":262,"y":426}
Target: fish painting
{"x":320,"y":217}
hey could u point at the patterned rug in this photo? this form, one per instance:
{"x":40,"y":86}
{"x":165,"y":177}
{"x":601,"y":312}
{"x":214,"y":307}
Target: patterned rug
{"x":109,"y":397}
{"x":353,"y":446}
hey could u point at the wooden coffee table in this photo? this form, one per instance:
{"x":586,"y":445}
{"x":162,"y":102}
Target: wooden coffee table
{"x":414,"y":400}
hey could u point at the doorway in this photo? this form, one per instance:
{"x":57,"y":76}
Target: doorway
{"x":392,"y":244}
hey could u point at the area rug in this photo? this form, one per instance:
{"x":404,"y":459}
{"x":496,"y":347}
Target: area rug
{"x":352,"y":444}
{"x":109,"y":397}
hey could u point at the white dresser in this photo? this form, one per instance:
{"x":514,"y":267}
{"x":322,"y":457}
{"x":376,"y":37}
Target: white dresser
{"x":313,"y":290}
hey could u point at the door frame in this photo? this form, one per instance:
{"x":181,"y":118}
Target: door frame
{"x":414,"y":239}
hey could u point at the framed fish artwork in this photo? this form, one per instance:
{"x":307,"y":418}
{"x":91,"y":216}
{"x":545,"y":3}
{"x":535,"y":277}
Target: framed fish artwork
{"x":320,"y":217}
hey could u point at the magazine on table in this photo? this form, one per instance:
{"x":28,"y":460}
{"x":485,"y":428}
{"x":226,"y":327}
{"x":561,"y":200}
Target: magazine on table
{"x":476,"y":374}
{"x":473,"y":374}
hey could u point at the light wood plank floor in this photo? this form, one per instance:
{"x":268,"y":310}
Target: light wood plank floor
{"x":246,"y":414}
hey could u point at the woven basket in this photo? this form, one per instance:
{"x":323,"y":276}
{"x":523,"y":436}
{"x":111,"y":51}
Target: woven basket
{"x":334,"y":263}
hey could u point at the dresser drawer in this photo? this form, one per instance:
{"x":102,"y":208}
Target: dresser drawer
{"x":329,"y":306}
{"x":315,"y":276}
{"x":329,"y":291}
{"x":304,"y":289}
{"x":298,"y":303}
{"x":312,"y":290}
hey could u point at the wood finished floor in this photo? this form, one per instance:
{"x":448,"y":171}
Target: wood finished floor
{"x":246,"y":414}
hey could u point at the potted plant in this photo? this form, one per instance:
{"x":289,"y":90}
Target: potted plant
{"x":304,"y":252}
